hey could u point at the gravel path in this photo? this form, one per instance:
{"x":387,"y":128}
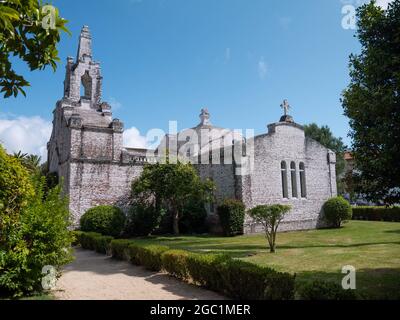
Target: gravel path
{"x":94,"y":276}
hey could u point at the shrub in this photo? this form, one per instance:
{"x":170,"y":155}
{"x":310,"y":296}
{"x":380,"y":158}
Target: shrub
{"x":75,"y":234}
{"x":336,"y":211}
{"x":142,"y":220}
{"x":103,"y":244}
{"x":247,"y":281}
{"x":87,"y":240}
{"x":204,"y":271}
{"x":120,"y":249}
{"x":391,"y":214}
{"x":175,"y":263}
{"x":193,"y":218}
{"x":270,"y":216}
{"x":231,"y":214}
{"x":107,"y":220}
{"x":322,"y":290}
{"x":150,"y":256}
{"x":40,"y":238}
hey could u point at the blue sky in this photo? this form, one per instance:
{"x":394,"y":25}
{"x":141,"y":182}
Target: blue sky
{"x":166,"y":59}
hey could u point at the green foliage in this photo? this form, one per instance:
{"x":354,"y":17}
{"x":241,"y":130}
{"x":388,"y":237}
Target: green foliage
{"x":120,"y":249}
{"x":270,"y":217}
{"x":371,"y":101}
{"x":377,"y":213}
{"x":171,"y":187}
{"x":107,"y":220}
{"x":336,"y":211}
{"x":95,"y":241}
{"x":204,"y":270}
{"x":143,"y":219}
{"x":325,"y":137}
{"x":231,"y":213}
{"x":22,"y":35}
{"x":175,"y":263}
{"x":149,"y":256}
{"x":193,"y":218}
{"x":248,"y":281}
{"x":322,"y":290}
{"x":15,"y":190}
{"x":38,"y":236}
{"x":234,"y":278}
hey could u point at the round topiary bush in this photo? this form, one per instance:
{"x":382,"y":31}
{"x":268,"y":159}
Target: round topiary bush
{"x":336,"y":211}
{"x":107,"y":220}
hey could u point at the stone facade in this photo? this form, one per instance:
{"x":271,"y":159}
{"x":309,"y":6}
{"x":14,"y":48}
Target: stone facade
{"x":86,"y":150}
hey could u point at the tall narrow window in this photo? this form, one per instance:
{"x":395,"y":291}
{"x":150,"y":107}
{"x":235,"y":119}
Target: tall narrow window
{"x":303,"y":180}
{"x":284,"y":179}
{"x":293,"y":178}
{"x":86,"y":88}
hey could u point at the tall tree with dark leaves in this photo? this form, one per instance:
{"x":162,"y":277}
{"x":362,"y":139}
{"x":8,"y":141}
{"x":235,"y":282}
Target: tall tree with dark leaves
{"x":372,"y":103}
{"x":29,"y":30}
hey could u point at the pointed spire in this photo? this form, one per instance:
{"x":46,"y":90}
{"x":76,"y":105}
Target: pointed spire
{"x":85,"y":44}
{"x":205,"y":117}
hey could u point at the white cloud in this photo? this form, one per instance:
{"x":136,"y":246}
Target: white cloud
{"x":26,"y":134}
{"x":133,"y":139}
{"x":381,"y":3}
{"x":262,"y":68}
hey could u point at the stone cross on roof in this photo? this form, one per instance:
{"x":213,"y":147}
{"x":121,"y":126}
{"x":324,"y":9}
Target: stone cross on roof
{"x":205,"y":117}
{"x":286,"y":107}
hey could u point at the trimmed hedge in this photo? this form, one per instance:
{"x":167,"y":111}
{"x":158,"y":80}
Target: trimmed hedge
{"x":323,"y":290}
{"x":377,"y":213}
{"x":94,"y":241}
{"x":120,"y":249}
{"x":248,"y":281}
{"x":175,"y":263}
{"x":204,"y":270}
{"x":231,"y":213}
{"x":231,"y":277}
{"x":150,"y":256}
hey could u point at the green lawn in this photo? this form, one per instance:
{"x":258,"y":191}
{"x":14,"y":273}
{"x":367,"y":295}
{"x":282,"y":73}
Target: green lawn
{"x":373,"y":248}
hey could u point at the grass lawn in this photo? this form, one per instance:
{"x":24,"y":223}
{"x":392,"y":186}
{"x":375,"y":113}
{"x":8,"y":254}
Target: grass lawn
{"x":373,"y":248}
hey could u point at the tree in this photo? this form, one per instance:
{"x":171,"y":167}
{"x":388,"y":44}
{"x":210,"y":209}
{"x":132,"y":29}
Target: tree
{"x":31,"y":31}
{"x":325,"y":137}
{"x":172,"y":186}
{"x":270,"y":216}
{"x":372,"y":103}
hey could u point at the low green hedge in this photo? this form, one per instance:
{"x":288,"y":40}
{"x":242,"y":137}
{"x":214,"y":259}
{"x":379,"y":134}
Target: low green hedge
{"x":94,"y":241}
{"x":120,"y":249}
{"x":377,"y":214}
{"x":234,"y":278}
{"x":204,"y":270}
{"x":150,"y":256}
{"x":248,"y":281}
{"x":175,"y":263}
{"x":323,"y":290}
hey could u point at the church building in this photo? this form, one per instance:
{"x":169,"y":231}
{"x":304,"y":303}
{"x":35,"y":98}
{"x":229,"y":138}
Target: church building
{"x":86,"y":150}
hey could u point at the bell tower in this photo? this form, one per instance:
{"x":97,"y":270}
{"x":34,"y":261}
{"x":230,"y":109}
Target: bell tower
{"x":83,"y":80}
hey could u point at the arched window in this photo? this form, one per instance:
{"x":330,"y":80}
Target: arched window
{"x":293,"y":178}
{"x":303,"y":180}
{"x":86,"y":88}
{"x":284,"y":180}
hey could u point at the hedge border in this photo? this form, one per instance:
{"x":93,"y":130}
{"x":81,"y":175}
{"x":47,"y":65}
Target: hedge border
{"x":233,"y":278}
{"x":391,"y":214}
